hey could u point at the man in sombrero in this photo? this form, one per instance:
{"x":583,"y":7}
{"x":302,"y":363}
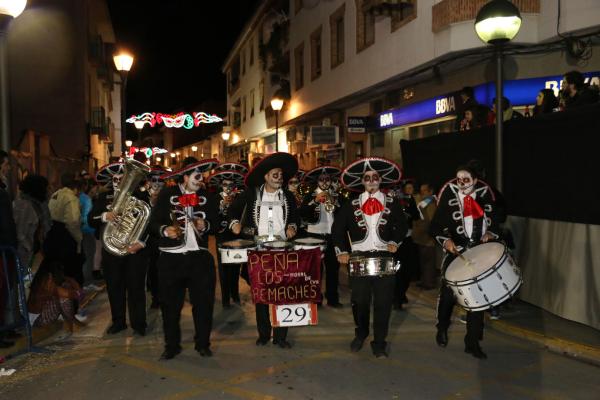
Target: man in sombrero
{"x":183,"y":217}
{"x":318,"y":212}
{"x":267,"y":209}
{"x":375,"y":225}
{"x":154,"y":185}
{"x":227,"y":184}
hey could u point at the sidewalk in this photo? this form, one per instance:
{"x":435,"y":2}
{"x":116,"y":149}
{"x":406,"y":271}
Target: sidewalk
{"x":526,"y":321}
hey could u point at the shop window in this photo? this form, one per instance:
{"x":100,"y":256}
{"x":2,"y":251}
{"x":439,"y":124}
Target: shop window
{"x":315,"y":53}
{"x":336,"y":25}
{"x":365,"y":27}
{"x":299,"y":66}
{"x":404,"y":15}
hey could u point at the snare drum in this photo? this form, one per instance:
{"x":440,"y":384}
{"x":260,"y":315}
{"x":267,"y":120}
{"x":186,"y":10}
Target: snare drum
{"x":310,"y":243}
{"x":235,"y":251}
{"x":278,"y":245}
{"x":484,"y":277}
{"x":372,"y":266}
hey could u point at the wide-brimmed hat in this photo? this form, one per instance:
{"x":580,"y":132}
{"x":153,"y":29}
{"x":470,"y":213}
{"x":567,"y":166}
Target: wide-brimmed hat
{"x":232,"y":167}
{"x":285,"y":161}
{"x":389,"y":172}
{"x":197,"y":167}
{"x":313,"y":175}
{"x":106,"y":172}
{"x":217,"y":178}
{"x":156,"y":174}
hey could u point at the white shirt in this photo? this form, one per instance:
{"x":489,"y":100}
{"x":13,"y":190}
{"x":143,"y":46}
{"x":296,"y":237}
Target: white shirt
{"x":270,"y":218}
{"x":372,"y":241}
{"x":325,"y":221}
{"x":190,"y":244}
{"x":468,"y":222}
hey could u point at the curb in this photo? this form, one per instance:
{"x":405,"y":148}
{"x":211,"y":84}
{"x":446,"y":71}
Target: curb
{"x":578,"y":351}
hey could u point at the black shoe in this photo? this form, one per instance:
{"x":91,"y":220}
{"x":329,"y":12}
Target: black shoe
{"x":169,"y":353}
{"x":335,"y":305}
{"x":379,"y":351}
{"x":282,"y":343}
{"x":356,"y":344}
{"x":205,"y":352}
{"x":139,"y":331}
{"x":475,"y":351}
{"x":262,"y":341}
{"x":442,"y":337}
{"x":116,"y":329}
{"x":5,"y":344}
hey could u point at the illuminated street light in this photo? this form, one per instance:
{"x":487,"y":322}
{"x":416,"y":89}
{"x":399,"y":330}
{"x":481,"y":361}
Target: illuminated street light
{"x":123,"y":63}
{"x":194,"y":148}
{"x":276,"y":105}
{"x":128,"y":143}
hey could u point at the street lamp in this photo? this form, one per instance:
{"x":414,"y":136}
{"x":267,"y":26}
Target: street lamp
{"x":497,"y":23}
{"x":225,"y":136}
{"x":123,"y":62}
{"x":128,"y":143}
{"x":9,"y":10}
{"x":276,"y":105}
{"x":194,"y":149}
{"x":139,"y":125}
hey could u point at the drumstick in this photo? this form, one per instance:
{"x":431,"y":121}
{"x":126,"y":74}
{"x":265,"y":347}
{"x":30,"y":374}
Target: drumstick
{"x":465,"y":259}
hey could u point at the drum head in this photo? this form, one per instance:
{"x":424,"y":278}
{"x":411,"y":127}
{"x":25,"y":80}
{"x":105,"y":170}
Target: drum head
{"x":310,"y":241}
{"x":237,"y":244}
{"x":479,"y":259}
{"x":277,"y":244}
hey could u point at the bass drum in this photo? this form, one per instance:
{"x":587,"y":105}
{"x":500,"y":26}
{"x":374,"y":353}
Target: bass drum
{"x":278,"y":245}
{"x":485,"y":276}
{"x":235,"y":251}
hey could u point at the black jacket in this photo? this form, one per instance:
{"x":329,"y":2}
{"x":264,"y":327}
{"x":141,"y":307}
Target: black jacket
{"x":310,"y":211}
{"x":167,"y":207}
{"x":8,"y":230}
{"x":392,"y":225}
{"x":246,"y":209}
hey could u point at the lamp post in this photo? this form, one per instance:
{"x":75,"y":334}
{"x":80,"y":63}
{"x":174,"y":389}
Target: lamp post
{"x":123,"y":62}
{"x":276,"y":105}
{"x":497,"y":23}
{"x":9,"y":10}
{"x":139,"y":125}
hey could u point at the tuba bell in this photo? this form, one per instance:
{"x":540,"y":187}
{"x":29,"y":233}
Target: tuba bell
{"x":133,"y":214}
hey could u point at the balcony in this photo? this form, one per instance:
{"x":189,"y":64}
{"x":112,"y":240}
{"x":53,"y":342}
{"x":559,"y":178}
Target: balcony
{"x":448,"y":12}
{"x":387,"y":7}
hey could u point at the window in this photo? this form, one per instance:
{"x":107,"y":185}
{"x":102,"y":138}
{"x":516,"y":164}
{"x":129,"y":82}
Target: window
{"x":252,"y":103}
{"x":297,"y":6}
{"x":299,"y":66}
{"x":336,"y":24}
{"x":404,"y":16}
{"x":244,"y":108}
{"x":261,"y":95}
{"x":251,"y":60}
{"x":315,"y":54}
{"x":365,"y":27}
{"x":243,"y":61}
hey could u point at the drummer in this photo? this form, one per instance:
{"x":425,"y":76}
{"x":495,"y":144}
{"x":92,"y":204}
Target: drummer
{"x":228,"y":183}
{"x":318,"y":211}
{"x":375,"y":225}
{"x":267,"y":209}
{"x":464,"y":218}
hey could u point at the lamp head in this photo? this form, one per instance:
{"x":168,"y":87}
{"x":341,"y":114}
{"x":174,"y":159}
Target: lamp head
{"x":123,"y":61}
{"x":498,"y":21}
{"x":225,"y":135}
{"x":276,"y":103}
{"x":139,"y":125}
{"x":128,"y":143}
{"x":14,"y":8}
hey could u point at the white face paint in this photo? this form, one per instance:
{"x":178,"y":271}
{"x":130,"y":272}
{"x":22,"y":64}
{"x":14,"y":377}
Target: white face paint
{"x":116,"y":180}
{"x":371,"y":181}
{"x":194,"y":182}
{"x":227,"y":186}
{"x":465,"y":181}
{"x":324,"y":182}
{"x":293,"y":185}
{"x":274,"y":179}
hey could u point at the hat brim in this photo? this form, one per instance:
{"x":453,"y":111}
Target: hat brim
{"x":217,"y":178}
{"x":313,"y":175}
{"x":106,"y":172}
{"x":285,"y":161}
{"x":200,"y":167}
{"x":231,"y":167}
{"x":389,"y":172}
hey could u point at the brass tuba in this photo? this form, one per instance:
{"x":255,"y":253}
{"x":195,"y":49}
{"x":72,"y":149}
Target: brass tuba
{"x":132,"y":214}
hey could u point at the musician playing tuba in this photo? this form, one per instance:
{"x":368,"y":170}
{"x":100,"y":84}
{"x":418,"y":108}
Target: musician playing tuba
{"x":123,"y":207}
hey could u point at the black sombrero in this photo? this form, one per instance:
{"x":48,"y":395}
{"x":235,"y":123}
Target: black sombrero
{"x":389,"y":172}
{"x":198,"y":167}
{"x":217,"y":178}
{"x":285,"y":161}
{"x":232,"y":167}
{"x":106,"y":172}
{"x":156,"y":174}
{"x":313,"y":175}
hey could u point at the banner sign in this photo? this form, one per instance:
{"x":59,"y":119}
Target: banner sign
{"x":285,"y":277}
{"x":357,"y":124}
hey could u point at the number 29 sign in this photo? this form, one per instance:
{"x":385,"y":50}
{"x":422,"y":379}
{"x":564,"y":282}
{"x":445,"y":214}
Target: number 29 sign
{"x":293,"y":314}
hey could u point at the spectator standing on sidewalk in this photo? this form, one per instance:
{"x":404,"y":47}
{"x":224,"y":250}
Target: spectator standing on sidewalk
{"x":467,"y":102}
{"x":429,"y":254}
{"x":545,"y":102}
{"x":88,"y":243}
{"x":576,"y":92}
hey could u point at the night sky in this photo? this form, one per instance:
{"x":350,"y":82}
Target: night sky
{"x":179,"y":48}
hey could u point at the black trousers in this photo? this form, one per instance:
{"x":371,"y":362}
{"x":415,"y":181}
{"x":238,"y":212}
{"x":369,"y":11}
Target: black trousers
{"x":446,"y":302}
{"x":381,"y":289}
{"x":408,"y":255}
{"x":229,"y":277}
{"x":125,"y":283}
{"x":332,"y":269}
{"x":263,"y":324}
{"x":196,"y":272}
{"x":152,"y":279}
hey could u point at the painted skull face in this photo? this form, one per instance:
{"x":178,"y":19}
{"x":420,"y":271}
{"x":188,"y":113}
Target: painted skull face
{"x":116,"y":180}
{"x":293,"y":185}
{"x":227,"y":186}
{"x":274,"y":178}
{"x":324,"y":182}
{"x":465,"y":181}
{"x":371,"y":181}
{"x":194,"y":182}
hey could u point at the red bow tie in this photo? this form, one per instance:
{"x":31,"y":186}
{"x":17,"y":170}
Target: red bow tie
{"x":188,"y":200}
{"x":472,"y":208}
{"x":372,"y":206}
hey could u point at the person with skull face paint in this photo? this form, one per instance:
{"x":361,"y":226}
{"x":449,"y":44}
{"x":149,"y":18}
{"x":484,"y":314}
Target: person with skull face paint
{"x":267,"y":209}
{"x":154,"y":185}
{"x":465,"y":218}
{"x":184,"y":216}
{"x":376,"y":225}
{"x":317,"y":210}
{"x":125,"y":276}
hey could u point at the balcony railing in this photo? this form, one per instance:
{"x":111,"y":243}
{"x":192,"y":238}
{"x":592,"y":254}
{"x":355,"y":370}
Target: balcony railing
{"x":448,"y":12}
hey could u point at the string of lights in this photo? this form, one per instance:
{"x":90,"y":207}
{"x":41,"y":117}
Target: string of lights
{"x":179,"y":120}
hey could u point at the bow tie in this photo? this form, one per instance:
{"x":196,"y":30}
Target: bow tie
{"x":372,"y":206}
{"x":188,"y":200}
{"x":472,"y":208}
